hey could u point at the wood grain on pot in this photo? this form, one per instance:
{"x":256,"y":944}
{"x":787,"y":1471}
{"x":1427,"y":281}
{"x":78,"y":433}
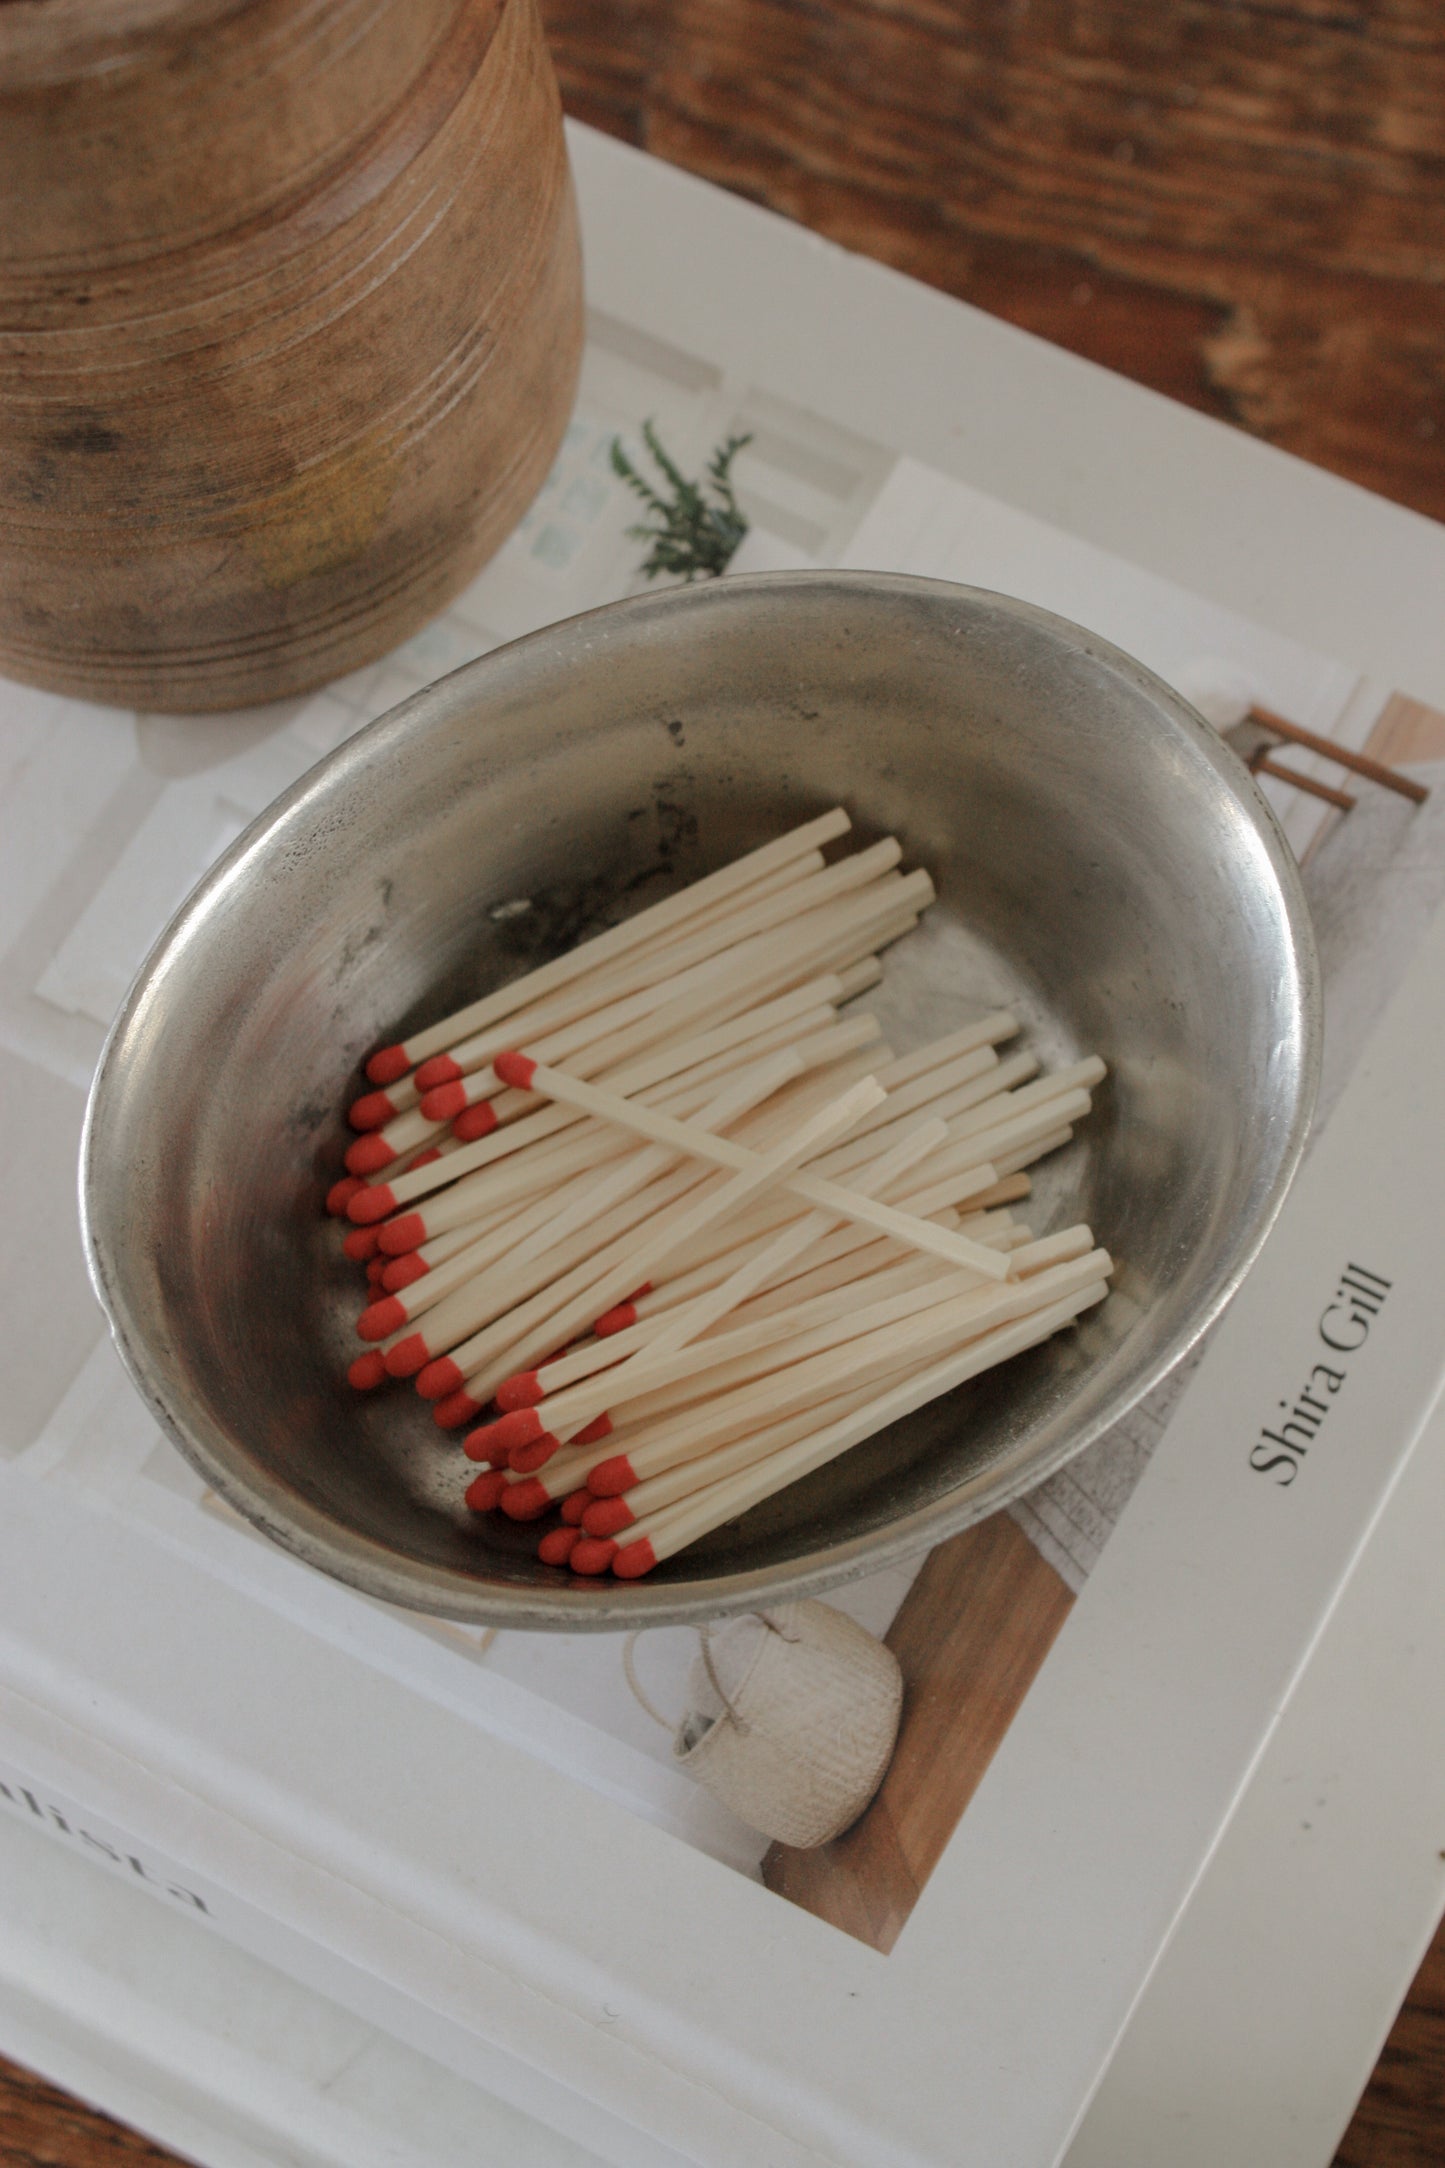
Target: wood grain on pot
{"x":290,"y":321}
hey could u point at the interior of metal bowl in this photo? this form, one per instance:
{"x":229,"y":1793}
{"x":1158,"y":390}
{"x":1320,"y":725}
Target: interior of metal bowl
{"x":1103,"y":866}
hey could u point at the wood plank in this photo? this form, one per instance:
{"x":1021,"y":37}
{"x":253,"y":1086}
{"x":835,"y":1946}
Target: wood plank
{"x":1400,"y":2122}
{"x":41,"y":2127}
{"x":1240,"y":206}
{"x":970,"y":1637}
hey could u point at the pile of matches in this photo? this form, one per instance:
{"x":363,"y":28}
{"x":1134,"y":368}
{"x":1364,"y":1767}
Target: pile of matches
{"x":683,"y":1232}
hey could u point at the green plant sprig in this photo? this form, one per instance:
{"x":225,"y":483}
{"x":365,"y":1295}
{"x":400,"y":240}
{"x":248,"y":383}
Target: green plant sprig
{"x":694,"y":533}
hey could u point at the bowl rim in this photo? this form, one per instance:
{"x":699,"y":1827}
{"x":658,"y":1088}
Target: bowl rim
{"x":357,"y":1560}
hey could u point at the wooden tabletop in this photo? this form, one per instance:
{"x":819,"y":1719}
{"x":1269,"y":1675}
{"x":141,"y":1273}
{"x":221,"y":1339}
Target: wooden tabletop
{"x":1237,"y":203}
{"x":1241,"y":204}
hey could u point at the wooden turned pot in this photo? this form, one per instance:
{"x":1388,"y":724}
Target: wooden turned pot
{"x":290,"y":323}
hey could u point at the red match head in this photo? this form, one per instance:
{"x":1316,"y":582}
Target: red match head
{"x":521,"y":1427}
{"x":522,"y":1391}
{"x":557,"y":1545}
{"x":494,"y":1441}
{"x":361,"y":1245}
{"x":373,"y":1110}
{"x":516,"y":1069}
{"x":340,"y":1194}
{"x":381,"y":1317}
{"x":408,"y":1357}
{"x":369,"y":1154}
{"x":370,"y":1205}
{"x":455,"y":1410}
{"x":401,"y":1271}
{"x":483,"y":1491}
{"x":447,"y":1101}
{"x":616,"y":1320}
{"x":599,"y":1428}
{"x":423,"y":1159}
{"x":387,"y":1064}
{"x":441,"y":1069}
{"x":610,"y":1478}
{"x":440,"y":1378}
{"x":367,"y":1372}
{"x":525,"y":1501}
{"x":495,"y":1456}
{"x":574,"y":1505}
{"x":592,"y":1554}
{"x":604,"y":1516}
{"x":402,"y":1235}
{"x":634,"y":1559}
{"x":527,"y":1459}
{"x":475,"y":1122}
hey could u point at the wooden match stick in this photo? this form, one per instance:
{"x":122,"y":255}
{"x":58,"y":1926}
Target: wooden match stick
{"x":930,"y":1332}
{"x":704,"y":1271}
{"x":589,"y":1357}
{"x":863,"y":1257}
{"x":545,"y":1155}
{"x":919,"y":1093}
{"x":392,"y":1062}
{"x":761,"y":1264}
{"x":770,"y":1216}
{"x":379,"y":1108}
{"x":766,"y":1347}
{"x":667,"y":1533}
{"x":510,"y":1242}
{"x":1057,"y":1084}
{"x":789,"y":947}
{"x":990,"y":1030}
{"x":556,"y":1315}
{"x":666,"y":972}
{"x":988,"y":1086}
{"x":605,"y":1518}
{"x":863,"y":1265}
{"x":825,"y":936}
{"x":528,"y":1075}
{"x":650,"y":1386}
{"x":539,"y":1155}
{"x":1009,"y":1163}
{"x":711,"y":1021}
{"x":927,"y":1203}
{"x":725,"y":1002}
{"x":759,"y":1271}
{"x":1008,"y":1130}
{"x":642,"y":1450}
{"x":598,"y":1218}
{"x":1011,"y":1189}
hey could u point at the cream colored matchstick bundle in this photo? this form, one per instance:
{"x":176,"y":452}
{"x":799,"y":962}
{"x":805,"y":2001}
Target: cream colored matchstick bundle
{"x":687,"y":1215}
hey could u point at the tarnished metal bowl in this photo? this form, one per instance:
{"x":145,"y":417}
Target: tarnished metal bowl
{"x":1103,"y":864}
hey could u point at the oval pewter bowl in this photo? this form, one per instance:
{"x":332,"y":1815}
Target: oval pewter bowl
{"x":1104,"y":865}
